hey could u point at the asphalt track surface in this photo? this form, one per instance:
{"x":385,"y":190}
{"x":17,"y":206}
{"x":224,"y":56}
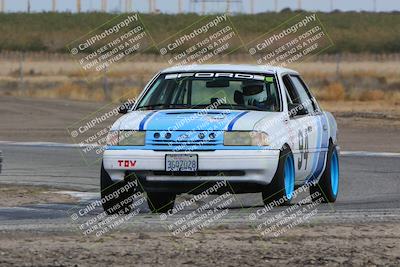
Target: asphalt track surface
{"x":369,"y":188}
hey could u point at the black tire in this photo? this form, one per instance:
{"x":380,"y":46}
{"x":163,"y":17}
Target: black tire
{"x":325,"y":187}
{"x":160,"y":202}
{"x":121,"y":203}
{"x":276,"y":190}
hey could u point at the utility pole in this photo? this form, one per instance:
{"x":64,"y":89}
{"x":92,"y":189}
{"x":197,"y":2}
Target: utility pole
{"x":128,"y":6}
{"x":104,"y":5}
{"x":252,"y":6}
{"x":2,"y":9}
{"x":276,"y":6}
{"x":298,"y":4}
{"x":78,"y":6}
{"x":228,"y":6}
{"x":53,"y":5}
{"x":180,"y":6}
{"x":28,"y":6}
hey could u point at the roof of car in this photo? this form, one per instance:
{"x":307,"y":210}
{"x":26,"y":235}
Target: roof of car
{"x":228,"y":67}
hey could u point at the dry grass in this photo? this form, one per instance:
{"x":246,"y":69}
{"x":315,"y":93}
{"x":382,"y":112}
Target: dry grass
{"x":77,"y":92}
{"x":63,"y":79}
{"x":332,"y":92}
{"x":372,"y":95}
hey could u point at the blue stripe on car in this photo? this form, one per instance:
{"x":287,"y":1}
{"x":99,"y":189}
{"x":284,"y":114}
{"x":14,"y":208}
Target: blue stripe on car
{"x":317,"y":154}
{"x":323,"y":145}
{"x":232,"y":123}
{"x":141,"y":125}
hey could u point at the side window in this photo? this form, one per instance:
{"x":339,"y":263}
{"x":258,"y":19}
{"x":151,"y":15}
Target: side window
{"x":314,"y":101}
{"x":303,"y":96}
{"x":291,"y":93}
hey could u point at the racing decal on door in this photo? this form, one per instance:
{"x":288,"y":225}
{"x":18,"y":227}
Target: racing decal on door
{"x":304,"y":151}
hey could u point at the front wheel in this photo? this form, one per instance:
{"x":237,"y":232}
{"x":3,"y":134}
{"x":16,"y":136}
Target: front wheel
{"x":116,"y":197}
{"x":160,"y":202}
{"x":281,"y":188}
{"x":328,"y":185}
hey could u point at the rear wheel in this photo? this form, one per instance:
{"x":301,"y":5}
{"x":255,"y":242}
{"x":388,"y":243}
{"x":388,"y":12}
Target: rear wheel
{"x":160,"y":202}
{"x":328,"y":185}
{"x":282,"y":186}
{"x":116,"y":197}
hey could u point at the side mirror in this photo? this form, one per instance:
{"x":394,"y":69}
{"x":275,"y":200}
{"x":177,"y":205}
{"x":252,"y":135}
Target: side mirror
{"x":296,"y":110}
{"x":125,"y":107}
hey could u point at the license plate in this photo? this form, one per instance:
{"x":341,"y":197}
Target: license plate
{"x":180,"y":163}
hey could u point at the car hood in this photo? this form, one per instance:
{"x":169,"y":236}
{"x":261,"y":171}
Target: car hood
{"x":189,"y":119}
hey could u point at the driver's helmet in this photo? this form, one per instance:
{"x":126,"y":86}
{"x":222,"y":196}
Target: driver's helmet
{"x":254,"y":93}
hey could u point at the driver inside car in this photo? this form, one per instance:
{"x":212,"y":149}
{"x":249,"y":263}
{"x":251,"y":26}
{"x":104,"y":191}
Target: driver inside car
{"x":256,"y":94}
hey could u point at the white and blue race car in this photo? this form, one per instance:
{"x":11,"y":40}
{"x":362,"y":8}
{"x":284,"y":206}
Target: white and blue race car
{"x":258,"y":128}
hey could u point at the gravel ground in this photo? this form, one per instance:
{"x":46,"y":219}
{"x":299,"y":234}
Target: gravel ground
{"x":373,"y":244}
{"x":18,"y":195}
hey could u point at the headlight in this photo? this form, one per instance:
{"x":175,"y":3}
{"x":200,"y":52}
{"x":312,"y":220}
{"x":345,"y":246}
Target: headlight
{"x":126,"y":138}
{"x":245,"y":138}
{"x":112,"y":138}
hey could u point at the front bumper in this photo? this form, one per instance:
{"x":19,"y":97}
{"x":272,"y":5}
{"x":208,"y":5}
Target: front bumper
{"x":255,"y":167}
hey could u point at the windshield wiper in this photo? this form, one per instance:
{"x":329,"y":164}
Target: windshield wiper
{"x":152,"y":106}
{"x":242,"y":107}
{"x":166,"y":106}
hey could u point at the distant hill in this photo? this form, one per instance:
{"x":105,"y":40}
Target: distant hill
{"x":351,"y":31}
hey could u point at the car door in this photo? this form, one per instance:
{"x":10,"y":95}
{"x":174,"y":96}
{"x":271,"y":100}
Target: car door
{"x":320,"y":142}
{"x":304,"y":127}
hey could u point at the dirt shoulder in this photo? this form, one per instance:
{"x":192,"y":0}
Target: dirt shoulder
{"x":311,"y":245}
{"x":362,"y":125}
{"x":18,"y":195}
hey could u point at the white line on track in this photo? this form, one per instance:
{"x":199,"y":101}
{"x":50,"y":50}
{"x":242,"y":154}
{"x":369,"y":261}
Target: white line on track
{"x":65,"y":145}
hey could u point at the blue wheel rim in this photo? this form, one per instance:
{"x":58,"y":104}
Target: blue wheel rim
{"x":334,"y":173}
{"x":289,"y":177}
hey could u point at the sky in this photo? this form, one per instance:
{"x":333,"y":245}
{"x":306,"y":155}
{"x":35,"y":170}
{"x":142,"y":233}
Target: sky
{"x":171,"y":6}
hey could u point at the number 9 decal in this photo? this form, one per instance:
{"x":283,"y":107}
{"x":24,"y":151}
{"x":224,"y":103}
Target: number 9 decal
{"x":303,"y":147}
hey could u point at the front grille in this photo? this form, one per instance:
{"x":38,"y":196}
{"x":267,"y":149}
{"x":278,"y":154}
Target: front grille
{"x":183,"y":140}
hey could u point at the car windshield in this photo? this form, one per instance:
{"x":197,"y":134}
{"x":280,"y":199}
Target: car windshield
{"x":220,"y":90}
